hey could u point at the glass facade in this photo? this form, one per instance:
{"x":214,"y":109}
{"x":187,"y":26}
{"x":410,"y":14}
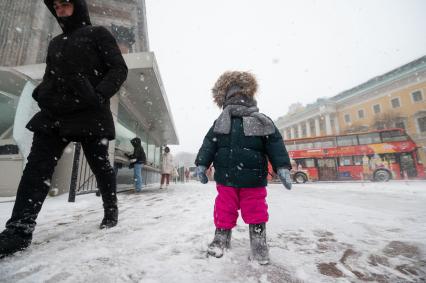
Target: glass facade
{"x":12,"y":86}
{"x":126,"y":129}
{"x":158,"y":156}
{"x":151,"y":153}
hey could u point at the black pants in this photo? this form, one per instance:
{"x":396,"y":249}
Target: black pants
{"x":46,"y":150}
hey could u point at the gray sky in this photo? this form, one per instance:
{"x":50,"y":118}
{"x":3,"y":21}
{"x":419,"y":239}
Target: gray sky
{"x":299,"y":50}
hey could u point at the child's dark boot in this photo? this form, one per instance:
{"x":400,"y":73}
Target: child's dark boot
{"x":259,"y":247}
{"x":221,"y":241}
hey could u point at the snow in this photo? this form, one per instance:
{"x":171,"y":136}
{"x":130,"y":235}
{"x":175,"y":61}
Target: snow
{"x":317,"y":232}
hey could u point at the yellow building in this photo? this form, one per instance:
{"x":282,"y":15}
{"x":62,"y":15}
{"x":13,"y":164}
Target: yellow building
{"x":394,"y":99}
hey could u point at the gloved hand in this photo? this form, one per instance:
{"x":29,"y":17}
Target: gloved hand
{"x":201,"y":174}
{"x":285,"y":177}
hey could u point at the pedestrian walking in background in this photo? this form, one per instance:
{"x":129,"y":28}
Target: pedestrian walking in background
{"x":166,"y":167}
{"x":239,"y":144}
{"x":175,"y":175}
{"x":187,"y":175}
{"x":137,"y":160}
{"x":84,"y":69}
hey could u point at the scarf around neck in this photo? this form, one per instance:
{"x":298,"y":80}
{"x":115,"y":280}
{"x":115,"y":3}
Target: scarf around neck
{"x":254,"y":123}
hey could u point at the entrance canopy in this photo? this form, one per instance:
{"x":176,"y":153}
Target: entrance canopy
{"x":143,"y":94}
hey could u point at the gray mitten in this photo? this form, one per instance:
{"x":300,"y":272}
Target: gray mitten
{"x":285,"y":177}
{"x":201,"y":174}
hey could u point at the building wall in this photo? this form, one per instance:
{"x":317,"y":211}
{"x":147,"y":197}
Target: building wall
{"x":399,"y":83}
{"x":26,"y":27}
{"x":406,"y":110}
{"x":24,"y":32}
{"x":408,"y":113}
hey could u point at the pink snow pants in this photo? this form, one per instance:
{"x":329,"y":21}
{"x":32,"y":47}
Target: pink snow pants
{"x":251,"y":201}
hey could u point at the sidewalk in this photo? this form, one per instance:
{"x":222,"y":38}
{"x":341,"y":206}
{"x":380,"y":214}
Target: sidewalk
{"x":316,"y":233}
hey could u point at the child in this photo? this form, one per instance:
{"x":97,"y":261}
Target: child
{"x":239,"y":143}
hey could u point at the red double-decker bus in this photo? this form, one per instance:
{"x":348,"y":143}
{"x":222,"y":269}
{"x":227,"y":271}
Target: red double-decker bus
{"x":376,"y":155}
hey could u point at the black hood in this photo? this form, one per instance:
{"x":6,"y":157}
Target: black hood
{"x":136,"y":142}
{"x":78,"y":19}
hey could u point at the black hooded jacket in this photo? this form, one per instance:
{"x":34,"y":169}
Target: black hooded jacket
{"x":84,"y":69}
{"x":138,"y":155}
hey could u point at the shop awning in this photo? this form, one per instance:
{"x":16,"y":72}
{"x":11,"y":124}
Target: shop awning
{"x":143,"y":94}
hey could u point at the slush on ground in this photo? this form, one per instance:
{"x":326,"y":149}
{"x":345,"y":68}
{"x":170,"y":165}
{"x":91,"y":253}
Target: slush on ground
{"x":317,"y":232}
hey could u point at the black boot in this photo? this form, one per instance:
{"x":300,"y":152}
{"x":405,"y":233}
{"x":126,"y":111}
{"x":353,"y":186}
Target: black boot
{"x":12,"y":242}
{"x":221,"y":241}
{"x":110,"y":218}
{"x":259,"y":247}
{"x":107,"y":188}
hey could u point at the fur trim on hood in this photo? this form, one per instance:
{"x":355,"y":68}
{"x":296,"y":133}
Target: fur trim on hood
{"x":245,"y":80}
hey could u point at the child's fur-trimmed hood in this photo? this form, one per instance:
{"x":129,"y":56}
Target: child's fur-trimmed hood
{"x":245,"y":80}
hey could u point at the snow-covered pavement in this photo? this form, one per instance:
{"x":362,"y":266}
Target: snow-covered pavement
{"x":335,"y":232}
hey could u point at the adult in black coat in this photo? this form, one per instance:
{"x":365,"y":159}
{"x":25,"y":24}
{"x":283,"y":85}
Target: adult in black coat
{"x":137,"y":159}
{"x":84,"y":69}
{"x":138,"y":155}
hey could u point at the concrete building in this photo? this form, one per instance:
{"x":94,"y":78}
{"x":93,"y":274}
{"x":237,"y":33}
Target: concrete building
{"x":394,"y":99}
{"x":141,"y":107}
{"x":26,"y":27}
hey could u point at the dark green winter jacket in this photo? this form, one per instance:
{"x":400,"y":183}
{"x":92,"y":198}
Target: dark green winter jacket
{"x":242,"y":161}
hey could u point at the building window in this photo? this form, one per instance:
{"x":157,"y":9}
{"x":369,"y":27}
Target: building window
{"x":400,"y":124}
{"x":395,"y":102}
{"x":313,"y":131}
{"x":422,"y":124}
{"x":361,"y":114}
{"x":417,"y":96}
{"x":347,"y":118}
{"x":380,"y":125}
{"x":376,"y":108}
{"x":304,"y":132}
{"x":322,"y":124}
